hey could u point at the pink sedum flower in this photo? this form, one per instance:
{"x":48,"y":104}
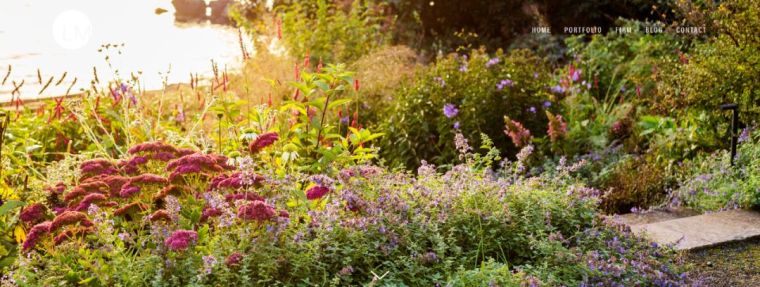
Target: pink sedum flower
{"x":181,"y":239}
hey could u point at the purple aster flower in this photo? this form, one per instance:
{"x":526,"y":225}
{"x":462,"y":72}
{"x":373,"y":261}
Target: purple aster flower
{"x":456,"y":125}
{"x":547,"y":104}
{"x":532,"y":109}
{"x":558,"y":89}
{"x":504,"y":83}
{"x":450,"y":110}
{"x":440,"y":81}
{"x":344,"y":120}
{"x":744,"y":136}
{"x":492,"y":62}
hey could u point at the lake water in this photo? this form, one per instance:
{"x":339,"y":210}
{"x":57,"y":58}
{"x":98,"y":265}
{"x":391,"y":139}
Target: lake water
{"x":60,"y":36}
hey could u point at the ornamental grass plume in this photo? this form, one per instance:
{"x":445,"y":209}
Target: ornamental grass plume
{"x":33,"y":213}
{"x":72,"y":232}
{"x":69,"y":218}
{"x":35,"y":234}
{"x":316,"y":192}
{"x":520,"y":135}
{"x":557,"y":127}
{"x":262,"y":141}
{"x":181,"y":239}
{"x":257,"y":210}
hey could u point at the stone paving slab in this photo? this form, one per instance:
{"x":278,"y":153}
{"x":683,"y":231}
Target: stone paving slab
{"x":703,"y":230}
{"x":652,"y":216}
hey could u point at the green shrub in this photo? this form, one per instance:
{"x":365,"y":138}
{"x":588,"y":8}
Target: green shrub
{"x":722,"y":69}
{"x":710,"y":183}
{"x":330,"y":32}
{"x":479,"y":90}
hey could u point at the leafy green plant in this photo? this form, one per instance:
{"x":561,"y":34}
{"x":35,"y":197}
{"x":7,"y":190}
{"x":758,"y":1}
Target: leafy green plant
{"x":468,"y":93}
{"x":327,"y":31}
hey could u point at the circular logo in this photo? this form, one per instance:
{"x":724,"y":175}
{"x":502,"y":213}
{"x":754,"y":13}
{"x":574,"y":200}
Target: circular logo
{"x":72,"y":29}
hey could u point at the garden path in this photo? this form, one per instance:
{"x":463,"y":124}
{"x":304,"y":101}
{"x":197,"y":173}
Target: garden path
{"x":687,"y":232}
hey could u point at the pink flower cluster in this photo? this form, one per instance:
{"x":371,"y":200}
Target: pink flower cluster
{"x":69,"y":218}
{"x":233,"y":181}
{"x":144,"y":152}
{"x":97,"y":167}
{"x":316,"y":192}
{"x":557,"y":127}
{"x":33,"y":213}
{"x":181,"y":239}
{"x":132,"y":186}
{"x":35,"y":234}
{"x":197,"y":163}
{"x":520,"y":135}
{"x":262,"y":141}
{"x":256,"y":210}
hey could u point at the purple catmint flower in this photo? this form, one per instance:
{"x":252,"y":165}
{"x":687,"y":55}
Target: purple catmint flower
{"x":181,"y":239}
{"x":450,"y":110}
{"x":441,"y":82}
{"x":504,"y":83}
{"x":547,"y":104}
{"x":532,"y":109}
{"x":493,"y":61}
{"x":208,"y":263}
{"x":557,"y":89}
{"x":745,"y":135}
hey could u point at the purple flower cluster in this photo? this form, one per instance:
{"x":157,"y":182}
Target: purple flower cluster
{"x":492,"y":62}
{"x":450,"y":110}
{"x":504,"y":83}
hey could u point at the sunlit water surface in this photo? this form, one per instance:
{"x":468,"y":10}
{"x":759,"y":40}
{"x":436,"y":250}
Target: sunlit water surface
{"x":153,"y":44}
